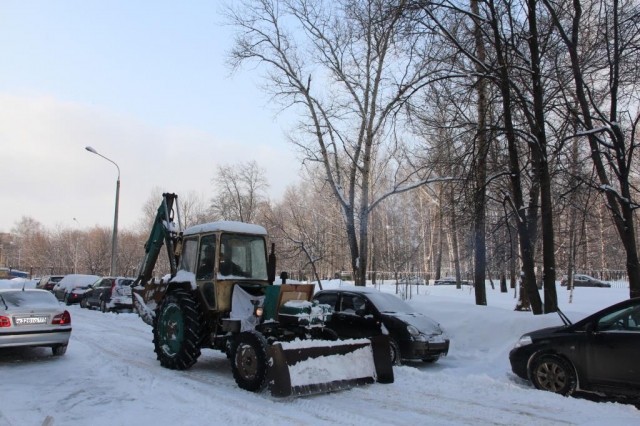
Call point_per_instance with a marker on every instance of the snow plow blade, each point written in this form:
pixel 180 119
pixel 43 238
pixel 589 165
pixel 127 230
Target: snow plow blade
pixel 319 366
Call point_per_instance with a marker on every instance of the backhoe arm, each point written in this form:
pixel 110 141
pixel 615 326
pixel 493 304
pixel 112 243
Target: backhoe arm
pixel 163 232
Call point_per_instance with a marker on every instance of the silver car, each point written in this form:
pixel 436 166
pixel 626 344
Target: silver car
pixel 33 318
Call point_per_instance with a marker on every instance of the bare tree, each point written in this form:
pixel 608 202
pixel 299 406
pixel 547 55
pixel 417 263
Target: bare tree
pixel 240 188
pixel 606 86
pixel 348 68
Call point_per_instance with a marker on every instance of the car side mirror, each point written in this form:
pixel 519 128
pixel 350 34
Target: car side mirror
pixel 590 328
pixel 360 312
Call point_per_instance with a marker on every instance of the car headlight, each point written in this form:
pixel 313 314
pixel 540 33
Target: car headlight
pixel 413 331
pixel 524 341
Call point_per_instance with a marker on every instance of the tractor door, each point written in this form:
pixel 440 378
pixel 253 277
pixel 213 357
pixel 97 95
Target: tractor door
pixel 205 272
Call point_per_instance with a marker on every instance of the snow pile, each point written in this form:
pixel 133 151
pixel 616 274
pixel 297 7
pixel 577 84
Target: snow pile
pixel 326 369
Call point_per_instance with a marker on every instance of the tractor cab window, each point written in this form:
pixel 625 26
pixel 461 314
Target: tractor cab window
pixel 242 256
pixel 189 254
pixel 207 257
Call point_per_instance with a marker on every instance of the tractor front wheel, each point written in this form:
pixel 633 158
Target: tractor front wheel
pixel 249 361
pixel 176 330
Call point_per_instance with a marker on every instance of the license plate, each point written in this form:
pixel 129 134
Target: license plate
pixel 31 320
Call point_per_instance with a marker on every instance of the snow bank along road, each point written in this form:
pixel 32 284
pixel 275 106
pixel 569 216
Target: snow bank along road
pixel 110 376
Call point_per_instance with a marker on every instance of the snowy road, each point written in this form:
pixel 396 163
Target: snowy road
pixel 110 376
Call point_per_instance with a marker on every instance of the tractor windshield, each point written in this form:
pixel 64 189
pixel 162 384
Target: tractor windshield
pixel 242 256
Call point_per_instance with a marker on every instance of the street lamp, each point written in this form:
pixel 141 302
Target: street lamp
pixel 114 242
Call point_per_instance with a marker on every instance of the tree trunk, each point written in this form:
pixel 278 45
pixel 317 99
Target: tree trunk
pixel 454 240
pixel 548 244
pixel 480 247
pixel 514 167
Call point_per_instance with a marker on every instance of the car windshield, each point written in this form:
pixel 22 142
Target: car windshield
pixel 126 282
pixel 389 303
pixel 30 299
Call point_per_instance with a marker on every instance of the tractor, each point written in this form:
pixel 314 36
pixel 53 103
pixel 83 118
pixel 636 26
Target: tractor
pixel 221 295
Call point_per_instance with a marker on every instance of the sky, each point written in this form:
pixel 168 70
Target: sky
pixel 142 82
pixel 110 376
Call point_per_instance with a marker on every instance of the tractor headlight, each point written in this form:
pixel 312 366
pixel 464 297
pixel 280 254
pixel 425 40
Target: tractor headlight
pixel 258 311
pixel 524 341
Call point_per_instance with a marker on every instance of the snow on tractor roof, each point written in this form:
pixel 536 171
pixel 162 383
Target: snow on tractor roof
pixel 226 226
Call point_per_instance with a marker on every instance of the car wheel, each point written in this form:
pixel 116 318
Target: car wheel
pixel 431 359
pixel 66 299
pixel 554 374
pixel 249 361
pixel 395 352
pixel 177 330
pixel 83 304
pixel 59 350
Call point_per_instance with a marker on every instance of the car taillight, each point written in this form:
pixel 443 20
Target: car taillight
pixel 5 322
pixel 63 318
pixel 113 285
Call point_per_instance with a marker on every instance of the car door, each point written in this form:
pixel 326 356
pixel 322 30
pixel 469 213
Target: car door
pixel 354 317
pixel 580 281
pixel 93 296
pixel 613 349
pixel 104 291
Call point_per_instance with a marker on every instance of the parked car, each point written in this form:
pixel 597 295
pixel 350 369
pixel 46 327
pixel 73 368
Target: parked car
pixel 365 312
pixel 71 288
pixel 580 280
pixel 450 281
pixel 49 281
pixel 597 354
pixel 33 318
pixel 411 280
pixel 109 294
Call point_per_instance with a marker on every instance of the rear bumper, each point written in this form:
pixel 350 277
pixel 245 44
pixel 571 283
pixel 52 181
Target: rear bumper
pixel 420 350
pixel 75 298
pixel 120 303
pixel 35 338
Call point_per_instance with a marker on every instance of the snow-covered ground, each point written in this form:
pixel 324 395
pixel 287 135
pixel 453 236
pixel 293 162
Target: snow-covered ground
pixel 110 376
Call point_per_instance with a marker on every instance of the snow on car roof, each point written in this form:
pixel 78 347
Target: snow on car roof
pixel 355 289
pixel 227 226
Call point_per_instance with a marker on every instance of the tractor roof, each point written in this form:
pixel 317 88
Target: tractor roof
pixel 226 226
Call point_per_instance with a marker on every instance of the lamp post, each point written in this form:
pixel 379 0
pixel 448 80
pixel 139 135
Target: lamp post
pixel 114 241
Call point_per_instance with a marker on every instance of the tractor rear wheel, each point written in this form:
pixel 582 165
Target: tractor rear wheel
pixel 249 361
pixel 177 330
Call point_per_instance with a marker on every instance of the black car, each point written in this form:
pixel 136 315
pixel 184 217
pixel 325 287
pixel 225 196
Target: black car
pixel 597 354
pixel 450 281
pixel 49 281
pixel 365 312
pixel 109 294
